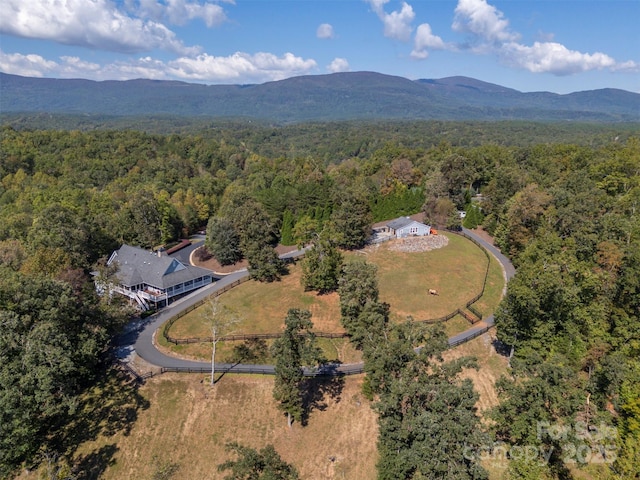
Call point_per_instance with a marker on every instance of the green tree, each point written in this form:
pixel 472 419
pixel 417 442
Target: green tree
pixel 54 334
pixel 473 217
pixel 458 174
pixel 305 230
pixel 141 220
pixel 170 223
pixel 264 263
pixel 440 212
pixel 628 459
pixel 292 351
pixel 321 266
pixel 357 287
pixel 222 241
pixel 427 415
pixel 286 231
pixel 59 227
pixel 253 225
pixel 523 217
pixel 251 464
pixel 351 220
pixel 541 393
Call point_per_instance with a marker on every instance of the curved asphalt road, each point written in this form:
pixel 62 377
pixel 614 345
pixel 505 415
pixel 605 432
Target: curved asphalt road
pixel 508 271
pixel 145 348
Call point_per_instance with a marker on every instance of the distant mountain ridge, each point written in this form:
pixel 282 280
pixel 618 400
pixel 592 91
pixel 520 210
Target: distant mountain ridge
pixel 338 96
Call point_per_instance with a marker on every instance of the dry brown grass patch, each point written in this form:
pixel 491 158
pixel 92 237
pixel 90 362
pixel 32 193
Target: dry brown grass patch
pixel 491 364
pixel 189 422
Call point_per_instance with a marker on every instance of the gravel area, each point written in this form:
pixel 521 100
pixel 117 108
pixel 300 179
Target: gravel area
pixel 418 244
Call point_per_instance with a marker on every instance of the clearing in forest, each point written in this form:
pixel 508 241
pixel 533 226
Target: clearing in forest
pixel 407 269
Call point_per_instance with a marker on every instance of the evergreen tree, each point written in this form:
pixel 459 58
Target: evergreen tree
pixel 295 349
pixel 473 216
pixel 286 232
pixel 321 266
pixel 357 287
pixel 351 220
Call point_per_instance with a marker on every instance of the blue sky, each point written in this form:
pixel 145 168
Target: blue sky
pixel 560 46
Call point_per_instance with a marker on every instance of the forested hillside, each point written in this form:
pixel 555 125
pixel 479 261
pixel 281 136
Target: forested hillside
pixel 333 97
pixel 567 212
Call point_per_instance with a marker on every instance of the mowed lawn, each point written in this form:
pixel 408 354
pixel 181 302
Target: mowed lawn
pixel 456 271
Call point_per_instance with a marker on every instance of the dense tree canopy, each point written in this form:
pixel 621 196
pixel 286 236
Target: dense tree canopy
pixel 562 200
pixel 53 335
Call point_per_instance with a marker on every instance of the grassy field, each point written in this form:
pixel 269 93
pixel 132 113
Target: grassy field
pixel 456 271
pixel 334 349
pixel 493 289
pixel 179 420
pixel 185 422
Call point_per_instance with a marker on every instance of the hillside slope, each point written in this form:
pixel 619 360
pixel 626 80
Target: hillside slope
pixel 339 96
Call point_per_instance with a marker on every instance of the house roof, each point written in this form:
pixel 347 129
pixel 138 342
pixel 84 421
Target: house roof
pixel 400 223
pixel 138 266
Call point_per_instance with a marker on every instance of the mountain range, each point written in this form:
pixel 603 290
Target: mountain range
pixel 338 96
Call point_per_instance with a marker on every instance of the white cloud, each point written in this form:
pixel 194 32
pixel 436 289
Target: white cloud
pixel 551 57
pixel 88 23
pixel 237 68
pixel 73 66
pixel 491 34
pixel 377 5
pixel 338 65
pixel 629 66
pixel 397 24
pixel 240 66
pixel 425 40
pixel 325 31
pixel 25 65
pixel 180 12
pixel 483 21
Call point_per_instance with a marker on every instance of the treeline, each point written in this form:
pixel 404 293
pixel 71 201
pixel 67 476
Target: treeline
pixel 567 213
pixel 572 312
pixel 347 138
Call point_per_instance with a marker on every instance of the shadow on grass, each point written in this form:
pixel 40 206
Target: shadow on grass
pixel 93 465
pixel 223 372
pixel 109 407
pixel 316 390
pixel 501 348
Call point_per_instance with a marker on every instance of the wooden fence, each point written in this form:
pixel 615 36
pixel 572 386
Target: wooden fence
pixel 138 377
pixel 469 304
pixel 470 337
pixel 324 370
pixel 267 336
pixel 177 316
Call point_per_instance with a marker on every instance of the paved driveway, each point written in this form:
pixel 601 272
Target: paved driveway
pixel 142 339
